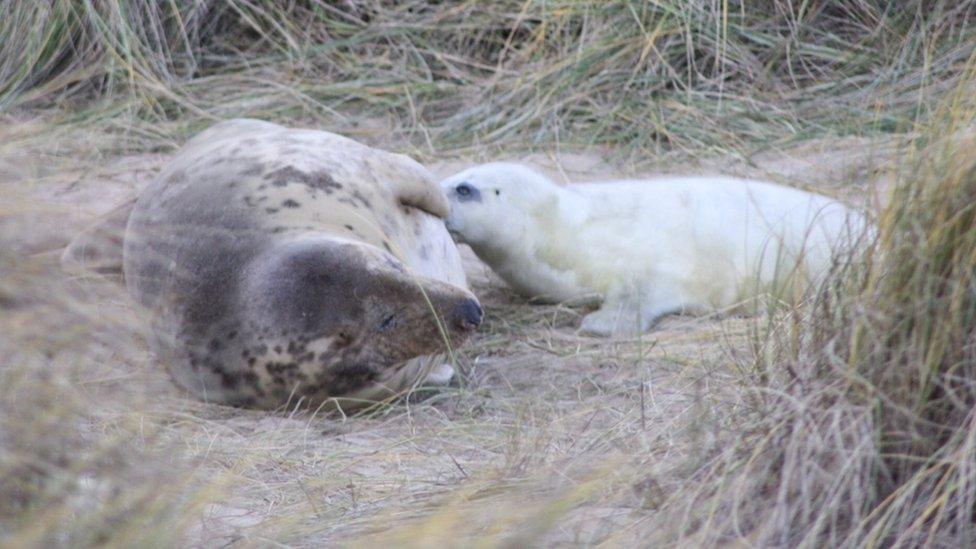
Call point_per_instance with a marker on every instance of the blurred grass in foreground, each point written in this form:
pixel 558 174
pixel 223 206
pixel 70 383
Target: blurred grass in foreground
pixel 851 425
pixel 865 426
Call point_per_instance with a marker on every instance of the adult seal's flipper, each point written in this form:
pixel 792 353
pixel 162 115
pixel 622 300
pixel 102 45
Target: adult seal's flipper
pixel 98 248
pixel 414 186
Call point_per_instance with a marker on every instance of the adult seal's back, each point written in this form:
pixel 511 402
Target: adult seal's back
pixel 284 265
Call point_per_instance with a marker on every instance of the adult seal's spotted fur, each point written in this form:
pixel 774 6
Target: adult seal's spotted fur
pixel 283 265
pixel 648 248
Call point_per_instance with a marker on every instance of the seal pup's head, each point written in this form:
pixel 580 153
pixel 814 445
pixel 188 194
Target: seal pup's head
pixel 493 204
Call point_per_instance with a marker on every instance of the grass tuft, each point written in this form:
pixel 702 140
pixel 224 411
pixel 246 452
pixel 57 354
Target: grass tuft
pixel 864 431
pixel 845 421
pixel 647 76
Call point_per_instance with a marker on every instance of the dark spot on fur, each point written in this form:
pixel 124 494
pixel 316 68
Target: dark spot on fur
pixel 253 169
pixel 215 345
pixel 284 176
pixel 277 349
pixel 228 380
pixel 359 196
pixel 297 347
pixel 290 203
pixel 271 210
pixel 278 368
pixel 322 180
pixel 386 245
pixel 232 334
pixel 349 227
pixel 317 180
pixel 279 229
pixel 348 377
pixel 283 373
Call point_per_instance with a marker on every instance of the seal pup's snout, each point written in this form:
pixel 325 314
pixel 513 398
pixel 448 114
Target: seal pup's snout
pixel 468 315
pixel 450 223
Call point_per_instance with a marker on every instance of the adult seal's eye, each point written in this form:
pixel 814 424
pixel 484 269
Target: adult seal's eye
pixel 388 323
pixel 463 189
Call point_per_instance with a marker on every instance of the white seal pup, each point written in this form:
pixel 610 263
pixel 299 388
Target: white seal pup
pixel 284 265
pixel 646 248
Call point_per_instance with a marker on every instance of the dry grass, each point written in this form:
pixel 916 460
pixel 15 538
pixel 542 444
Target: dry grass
pixel 646 77
pixel 866 433
pixel 847 421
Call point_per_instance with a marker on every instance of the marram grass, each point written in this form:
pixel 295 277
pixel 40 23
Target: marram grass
pixel 866 431
pixel 847 421
pixel 648 76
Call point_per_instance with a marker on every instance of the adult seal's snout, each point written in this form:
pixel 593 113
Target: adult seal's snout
pixel 468 314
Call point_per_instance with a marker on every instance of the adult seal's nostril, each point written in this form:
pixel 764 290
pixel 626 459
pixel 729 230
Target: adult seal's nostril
pixel 468 314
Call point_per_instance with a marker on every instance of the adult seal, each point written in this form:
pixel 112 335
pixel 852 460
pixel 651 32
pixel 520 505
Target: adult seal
pixel 284 266
pixel 644 249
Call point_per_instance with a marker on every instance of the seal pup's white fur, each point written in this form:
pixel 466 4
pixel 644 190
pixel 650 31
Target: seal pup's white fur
pixel 646 248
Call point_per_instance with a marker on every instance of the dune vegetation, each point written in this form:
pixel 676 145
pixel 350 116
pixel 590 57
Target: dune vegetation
pixel 846 420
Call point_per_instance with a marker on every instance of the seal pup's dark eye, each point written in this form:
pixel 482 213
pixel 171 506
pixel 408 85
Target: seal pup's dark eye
pixel 467 192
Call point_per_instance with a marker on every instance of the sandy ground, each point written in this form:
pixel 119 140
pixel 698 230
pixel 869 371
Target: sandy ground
pixel 540 411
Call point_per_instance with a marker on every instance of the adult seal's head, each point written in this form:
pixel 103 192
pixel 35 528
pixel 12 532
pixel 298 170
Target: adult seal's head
pixel 329 317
